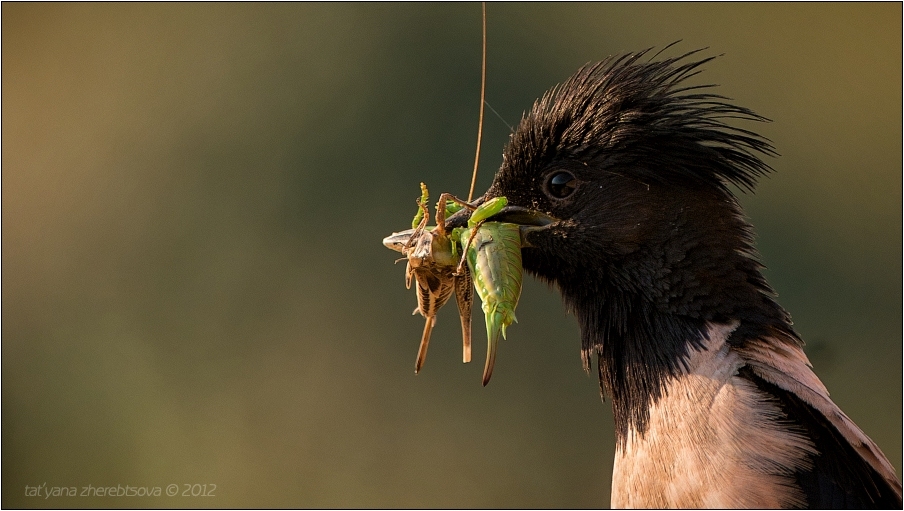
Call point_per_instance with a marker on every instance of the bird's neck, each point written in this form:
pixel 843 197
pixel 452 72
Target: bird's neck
pixel 643 338
pixel 695 450
pixel 639 351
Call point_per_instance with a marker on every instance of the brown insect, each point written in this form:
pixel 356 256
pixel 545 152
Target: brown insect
pixel 434 255
pixel 434 262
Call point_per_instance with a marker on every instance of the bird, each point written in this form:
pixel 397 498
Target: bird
pixel 623 182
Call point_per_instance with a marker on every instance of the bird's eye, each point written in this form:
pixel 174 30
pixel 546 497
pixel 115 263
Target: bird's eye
pixel 561 184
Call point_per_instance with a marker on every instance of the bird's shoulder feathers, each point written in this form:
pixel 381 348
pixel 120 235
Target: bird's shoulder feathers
pixel 849 470
pixel 750 426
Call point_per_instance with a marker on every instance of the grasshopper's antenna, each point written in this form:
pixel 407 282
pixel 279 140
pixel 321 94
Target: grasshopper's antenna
pixel 483 88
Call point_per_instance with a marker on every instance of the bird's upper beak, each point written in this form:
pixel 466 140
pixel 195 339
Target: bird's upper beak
pixel 527 219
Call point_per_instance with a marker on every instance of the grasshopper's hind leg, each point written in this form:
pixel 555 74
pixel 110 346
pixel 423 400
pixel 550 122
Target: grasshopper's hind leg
pixel 425 342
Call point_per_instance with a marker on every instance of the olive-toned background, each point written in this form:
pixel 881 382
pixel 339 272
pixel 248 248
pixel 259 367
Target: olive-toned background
pixel 194 289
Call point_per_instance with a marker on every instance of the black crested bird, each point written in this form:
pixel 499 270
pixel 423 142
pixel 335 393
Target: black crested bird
pixel 620 179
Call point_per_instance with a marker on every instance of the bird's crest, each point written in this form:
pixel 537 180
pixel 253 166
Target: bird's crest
pixel 626 107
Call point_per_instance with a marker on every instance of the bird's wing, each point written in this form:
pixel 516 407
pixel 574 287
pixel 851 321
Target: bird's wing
pixel 850 469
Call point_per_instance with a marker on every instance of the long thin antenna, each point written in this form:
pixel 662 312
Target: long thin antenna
pixel 483 88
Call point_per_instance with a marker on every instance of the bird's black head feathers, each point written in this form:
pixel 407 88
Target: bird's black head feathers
pixel 644 109
pixel 651 245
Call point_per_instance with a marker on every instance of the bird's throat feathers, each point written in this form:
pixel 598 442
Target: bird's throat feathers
pixel 642 338
pixel 638 350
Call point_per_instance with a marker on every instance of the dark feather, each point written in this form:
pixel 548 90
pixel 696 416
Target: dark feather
pixel 625 107
pixel 652 247
pixel 839 478
pixel 651 143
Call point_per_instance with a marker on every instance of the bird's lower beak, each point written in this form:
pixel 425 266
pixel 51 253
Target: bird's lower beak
pixel 523 217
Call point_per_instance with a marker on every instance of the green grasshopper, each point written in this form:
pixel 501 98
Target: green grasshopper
pixel 493 253
pixel 492 257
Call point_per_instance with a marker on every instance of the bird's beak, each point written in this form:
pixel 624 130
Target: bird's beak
pixel 523 217
pixel 527 219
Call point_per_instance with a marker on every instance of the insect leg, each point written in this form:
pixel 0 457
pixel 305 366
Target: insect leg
pixel 425 341
pixel 441 210
pixel 464 249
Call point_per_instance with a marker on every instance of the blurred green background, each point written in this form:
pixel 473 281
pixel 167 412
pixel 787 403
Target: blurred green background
pixel 194 289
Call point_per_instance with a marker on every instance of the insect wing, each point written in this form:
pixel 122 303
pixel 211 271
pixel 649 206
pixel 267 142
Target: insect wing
pixel 433 291
pixel 464 295
pixel 429 260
